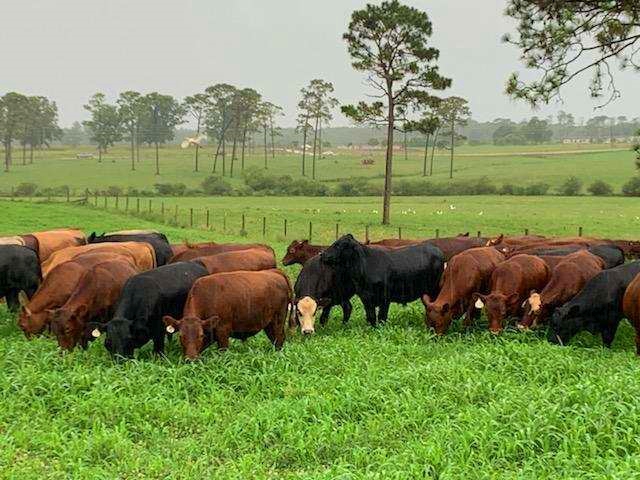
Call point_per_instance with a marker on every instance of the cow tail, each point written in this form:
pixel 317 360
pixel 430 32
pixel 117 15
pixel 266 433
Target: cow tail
pixel 291 305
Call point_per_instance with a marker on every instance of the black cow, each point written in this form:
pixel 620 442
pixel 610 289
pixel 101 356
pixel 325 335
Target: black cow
pixel 318 286
pixel 145 298
pixel 19 270
pixel 613 256
pixel 597 308
pixel 158 241
pixel 384 276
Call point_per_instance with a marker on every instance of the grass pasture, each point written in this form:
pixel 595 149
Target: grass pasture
pixel 521 165
pixel 349 403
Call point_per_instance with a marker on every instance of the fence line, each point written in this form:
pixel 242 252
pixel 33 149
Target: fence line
pixel 221 221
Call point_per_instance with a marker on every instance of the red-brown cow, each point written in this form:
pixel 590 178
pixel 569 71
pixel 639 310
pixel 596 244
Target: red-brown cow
pixel 93 299
pixel 215 248
pixel 511 283
pixel 233 304
pixel 249 260
pixel 54 291
pixel 567 279
pixel 467 273
pixel 299 251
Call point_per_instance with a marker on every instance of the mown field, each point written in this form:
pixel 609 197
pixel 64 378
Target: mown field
pixel 521 165
pixel 348 403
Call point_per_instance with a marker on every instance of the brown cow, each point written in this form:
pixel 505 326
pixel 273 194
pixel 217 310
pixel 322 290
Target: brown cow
pixel 93 299
pixel 233 304
pixel 51 241
pixel 631 307
pixel 511 283
pixel 141 254
pixel 514 241
pixel 249 260
pixel 567 279
pixel 467 273
pixel 299 251
pixel 54 291
pixel 215 248
pixel 449 246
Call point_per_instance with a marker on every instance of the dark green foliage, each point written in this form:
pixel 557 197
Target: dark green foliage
pixel 632 187
pixel 214 185
pixel 171 189
pixel 600 188
pixel 571 187
pixel 25 189
pixel 534 189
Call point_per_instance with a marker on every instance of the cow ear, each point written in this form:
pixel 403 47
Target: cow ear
pixel 91 237
pixel 478 300
pixel 23 299
pixel 466 234
pixel 304 242
pixel 209 323
pixel 171 324
pixel 426 300
pixel 349 236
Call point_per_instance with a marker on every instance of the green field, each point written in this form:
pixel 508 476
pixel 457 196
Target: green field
pixel 348 403
pixel 520 165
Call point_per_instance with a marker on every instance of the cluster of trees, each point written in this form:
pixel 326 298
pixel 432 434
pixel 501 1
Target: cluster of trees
pixel 223 112
pixel 32 121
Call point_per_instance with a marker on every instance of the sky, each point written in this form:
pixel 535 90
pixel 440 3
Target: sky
pixel 69 49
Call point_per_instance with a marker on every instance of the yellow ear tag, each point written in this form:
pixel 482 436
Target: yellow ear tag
pixel 170 328
pixel 95 333
pixel 479 304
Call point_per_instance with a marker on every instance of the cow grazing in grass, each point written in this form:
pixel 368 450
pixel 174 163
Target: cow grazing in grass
pixel 19 272
pixel 145 299
pixel 467 273
pixel 567 279
pixel 631 304
pixel 215 248
pixel 250 260
pixel 511 282
pixel 319 287
pixel 299 251
pixel 233 305
pixel 382 277
pixel 92 300
pixel 157 240
pixel 598 308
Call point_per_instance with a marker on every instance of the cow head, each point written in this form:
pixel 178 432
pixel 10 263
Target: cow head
pixel 534 310
pixel 293 252
pixel 566 321
pixel 31 323
pixel 492 242
pixel 195 333
pixel 344 252
pixel 437 316
pixel 68 326
pixel 497 306
pixel 119 339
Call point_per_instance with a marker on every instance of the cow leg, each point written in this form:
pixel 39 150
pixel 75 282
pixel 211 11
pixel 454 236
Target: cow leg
pixel 608 334
pixel 370 311
pixel 158 343
pixel 325 316
pixel 471 314
pixel 346 311
pixel 275 332
pixel 383 312
pixel 222 337
pixel 12 301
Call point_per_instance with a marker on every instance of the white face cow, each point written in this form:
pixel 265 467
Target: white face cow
pixel 307 308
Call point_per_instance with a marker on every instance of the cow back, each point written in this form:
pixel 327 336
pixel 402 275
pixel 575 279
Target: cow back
pixel 204 251
pixel 52 241
pixel 250 260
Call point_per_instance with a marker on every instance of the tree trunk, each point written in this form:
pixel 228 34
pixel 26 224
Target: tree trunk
pixel 157 160
pixel 265 147
pixel 244 141
pixel 433 151
pixel 24 153
pixel 453 142
pixel 426 155
pixel 197 146
pixel 315 142
pixel 405 145
pixel 386 200
pixel 31 154
pixel 320 141
pixel 233 154
pixel 137 143
pixel 7 155
pixel 133 150
pixel 273 143
pixel 224 156
pixel 99 154
pixel 304 146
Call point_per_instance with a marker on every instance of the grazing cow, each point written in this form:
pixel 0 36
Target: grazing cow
pixel 28 241
pixel 505 244
pixel 249 260
pixel 631 248
pixel 141 254
pixel 466 273
pixel 19 271
pixel 394 243
pixel 55 290
pixel 511 282
pixel 51 241
pixel 92 300
pixel 449 246
pixel 317 286
pixel 215 248
pixel 145 298
pixel 631 305
pixel 567 279
pixel 598 308
pixel 233 304
pixel 299 251
pixel 611 254
pixel 157 240
pixel 381 276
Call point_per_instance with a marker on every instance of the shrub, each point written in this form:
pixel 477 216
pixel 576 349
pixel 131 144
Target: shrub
pixel 214 185
pixel 632 187
pixel 113 190
pixel 600 188
pixel 25 189
pixel 351 188
pixel 571 187
pixel 170 189
pixel 535 189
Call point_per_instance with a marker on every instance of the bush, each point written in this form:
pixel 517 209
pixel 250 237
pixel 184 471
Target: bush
pixel 600 188
pixel 25 189
pixel 571 187
pixel 632 187
pixel 535 189
pixel 214 185
pixel 351 188
pixel 170 189
pixel 113 190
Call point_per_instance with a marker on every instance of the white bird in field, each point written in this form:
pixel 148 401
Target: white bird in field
pixel 481 213
pixel 452 207
pixel 439 212
pixel 195 141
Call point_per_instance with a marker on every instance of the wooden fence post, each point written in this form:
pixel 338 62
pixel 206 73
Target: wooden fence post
pixel 117 201
pixel 67 194
pixel 191 217
pixel 400 233
pixel 579 231
pixel 149 206
pixel 137 205
pixel 479 233
pixel 337 230
pixel 105 201
pixel 96 199
pixel 162 210
pixel 264 226
pixel 526 231
pixel 437 233
pixel 310 230
pixel 243 223
pixel 224 223
pixel 366 233
pixel 207 218
pixel 126 203
pixel 285 228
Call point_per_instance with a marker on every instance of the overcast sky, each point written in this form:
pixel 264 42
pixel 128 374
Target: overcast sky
pixel 70 49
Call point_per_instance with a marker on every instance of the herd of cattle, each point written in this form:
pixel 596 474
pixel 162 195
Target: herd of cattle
pixel 134 287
